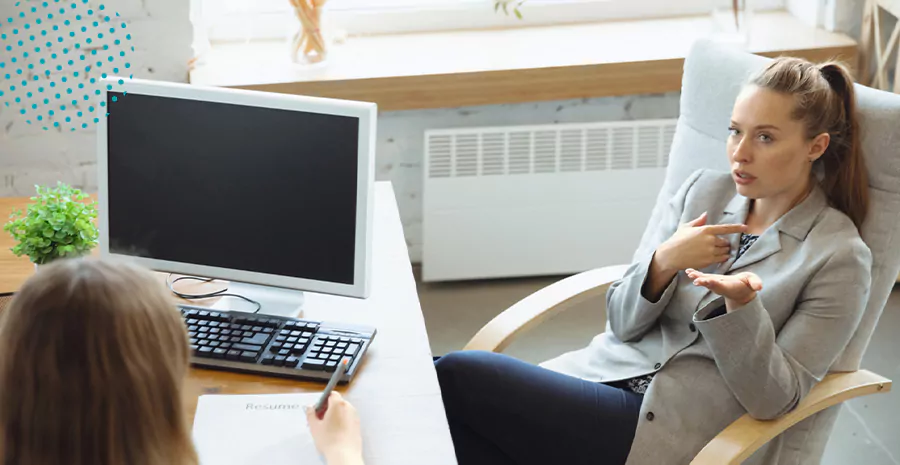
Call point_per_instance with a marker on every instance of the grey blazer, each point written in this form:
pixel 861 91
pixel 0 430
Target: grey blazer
pixel 760 359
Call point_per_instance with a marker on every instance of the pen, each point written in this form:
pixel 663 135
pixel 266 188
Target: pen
pixel 323 401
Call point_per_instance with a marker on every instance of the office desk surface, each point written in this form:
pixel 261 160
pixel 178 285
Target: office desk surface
pixel 396 392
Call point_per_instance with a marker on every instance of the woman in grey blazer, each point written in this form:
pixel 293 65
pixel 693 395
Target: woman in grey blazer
pixel 738 303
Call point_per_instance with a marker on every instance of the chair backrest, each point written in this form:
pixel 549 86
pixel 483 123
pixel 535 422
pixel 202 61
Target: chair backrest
pixel 713 76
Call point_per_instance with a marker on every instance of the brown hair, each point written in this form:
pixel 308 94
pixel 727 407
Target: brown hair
pixel 826 102
pixel 93 358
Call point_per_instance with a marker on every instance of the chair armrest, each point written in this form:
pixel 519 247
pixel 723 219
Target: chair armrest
pixel 742 438
pixel 543 304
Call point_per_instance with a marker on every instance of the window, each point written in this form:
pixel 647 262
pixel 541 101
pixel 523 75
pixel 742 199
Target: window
pixel 241 20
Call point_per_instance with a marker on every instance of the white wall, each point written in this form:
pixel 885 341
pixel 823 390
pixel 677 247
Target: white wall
pixel 161 33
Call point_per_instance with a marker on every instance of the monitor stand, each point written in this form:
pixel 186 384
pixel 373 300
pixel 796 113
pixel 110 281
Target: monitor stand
pixel 273 300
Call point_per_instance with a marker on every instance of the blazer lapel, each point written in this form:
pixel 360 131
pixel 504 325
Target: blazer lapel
pixel 735 213
pixel 795 223
pixel 767 244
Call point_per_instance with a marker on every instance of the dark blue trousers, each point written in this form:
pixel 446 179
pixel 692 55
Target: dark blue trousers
pixel 503 411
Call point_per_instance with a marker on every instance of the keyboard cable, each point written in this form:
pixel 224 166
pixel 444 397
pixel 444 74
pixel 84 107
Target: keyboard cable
pixel 220 293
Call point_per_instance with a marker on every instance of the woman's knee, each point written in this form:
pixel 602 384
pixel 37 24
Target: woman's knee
pixel 463 370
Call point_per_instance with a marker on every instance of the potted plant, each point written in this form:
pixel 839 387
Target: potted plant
pixel 57 224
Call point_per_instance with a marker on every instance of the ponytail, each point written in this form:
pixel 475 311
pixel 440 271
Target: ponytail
pixel 845 179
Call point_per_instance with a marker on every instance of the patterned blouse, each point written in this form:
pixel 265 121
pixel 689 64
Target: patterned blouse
pixel 640 384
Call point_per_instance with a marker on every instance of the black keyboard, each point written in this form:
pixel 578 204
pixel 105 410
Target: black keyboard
pixel 273 346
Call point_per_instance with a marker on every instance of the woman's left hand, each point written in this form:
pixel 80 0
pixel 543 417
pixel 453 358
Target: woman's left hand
pixel 738 289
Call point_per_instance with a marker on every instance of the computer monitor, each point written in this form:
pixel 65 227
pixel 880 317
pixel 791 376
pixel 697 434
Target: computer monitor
pixel 271 192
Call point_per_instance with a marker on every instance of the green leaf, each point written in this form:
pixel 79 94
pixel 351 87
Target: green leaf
pixel 496 6
pixel 518 13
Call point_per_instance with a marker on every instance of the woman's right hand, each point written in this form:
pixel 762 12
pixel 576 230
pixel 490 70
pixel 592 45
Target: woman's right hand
pixel 337 435
pixel 696 245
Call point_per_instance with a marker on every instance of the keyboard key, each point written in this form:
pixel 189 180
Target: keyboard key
pixel 219 353
pixel 335 357
pixel 303 340
pixel 192 312
pixel 214 344
pixel 204 351
pixel 246 327
pixel 213 324
pixel 312 355
pixel 234 327
pixel 194 341
pixel 202 323
pixel 280 339
pixel 204 313
pixel 225 345
pixel 330 344
pixel 204 329
pixel 291 362
pixel 311 326
pixel 193 328
pixel 256 329
pixel 299 347
pixel 194 347
pixel 345 339
pixel 313 364
pixel 268 331
pixel 192 321
pixel 355 340
pixel 250 347
pixel 215 331
pixel 328 350
pixel 352 350
pixel 284 352
pixel 342 345
pixel 276 346
pixel 202 342
pixel 259 339
pixel 233 354
pixel 279 360
pixel 248 356
pixel 292 340
pixel 268 359
pixel 285 332
pixel 235 339
pixel 331 365
pixel 295 333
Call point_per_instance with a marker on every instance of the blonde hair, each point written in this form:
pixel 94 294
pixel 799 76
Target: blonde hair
pixel 826 103
pixel 93 358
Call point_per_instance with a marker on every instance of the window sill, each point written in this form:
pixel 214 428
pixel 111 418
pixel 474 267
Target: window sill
pixel 461 68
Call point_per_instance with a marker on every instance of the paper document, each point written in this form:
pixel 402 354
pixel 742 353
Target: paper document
pixel 268 429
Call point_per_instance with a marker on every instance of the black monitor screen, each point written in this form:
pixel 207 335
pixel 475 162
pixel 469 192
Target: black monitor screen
pixel 233 186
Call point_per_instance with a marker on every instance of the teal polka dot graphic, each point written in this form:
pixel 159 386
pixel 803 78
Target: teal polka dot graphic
pixel 38 37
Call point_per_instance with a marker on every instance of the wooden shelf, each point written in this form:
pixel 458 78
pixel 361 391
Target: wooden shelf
pixel 460 68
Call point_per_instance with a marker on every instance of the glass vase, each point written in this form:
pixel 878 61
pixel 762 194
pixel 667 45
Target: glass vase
pixel 309 41
pixel 732 21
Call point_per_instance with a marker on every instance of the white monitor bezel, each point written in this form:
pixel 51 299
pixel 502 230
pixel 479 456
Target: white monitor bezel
pixel 367 114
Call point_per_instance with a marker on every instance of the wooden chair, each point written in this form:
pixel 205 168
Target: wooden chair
pixel 712 79
pixel 873 51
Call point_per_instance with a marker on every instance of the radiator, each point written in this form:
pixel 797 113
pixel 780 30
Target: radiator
pixel 557 199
